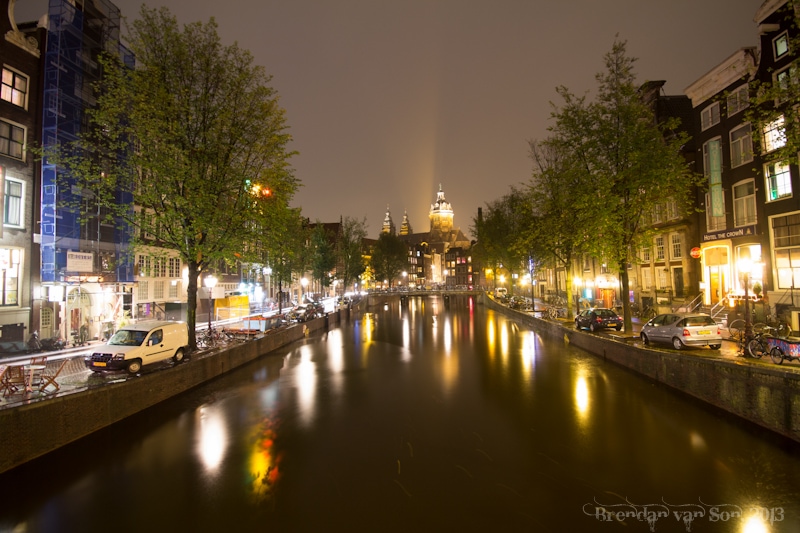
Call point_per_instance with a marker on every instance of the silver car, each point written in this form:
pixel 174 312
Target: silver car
pixel 682 330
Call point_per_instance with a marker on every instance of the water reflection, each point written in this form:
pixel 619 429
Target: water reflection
pixel 212 438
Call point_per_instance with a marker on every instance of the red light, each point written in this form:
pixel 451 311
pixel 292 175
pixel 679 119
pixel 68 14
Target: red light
pixel 686 333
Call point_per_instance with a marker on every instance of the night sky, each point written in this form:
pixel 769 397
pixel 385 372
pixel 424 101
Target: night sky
pixel 386 99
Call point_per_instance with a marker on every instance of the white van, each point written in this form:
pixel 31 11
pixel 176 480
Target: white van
pixel 140 344
pixel 500 292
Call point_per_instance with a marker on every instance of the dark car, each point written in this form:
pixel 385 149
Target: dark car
pixel 303 313
pixel 682 330
pixel 596 318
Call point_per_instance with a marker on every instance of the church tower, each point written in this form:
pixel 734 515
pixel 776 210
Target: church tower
pixel 441 216
pixel 405 227
pixel 388 224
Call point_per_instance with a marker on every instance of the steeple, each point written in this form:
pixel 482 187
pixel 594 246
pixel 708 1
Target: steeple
pixel 441 216
pixel 405 227
pixel 388 225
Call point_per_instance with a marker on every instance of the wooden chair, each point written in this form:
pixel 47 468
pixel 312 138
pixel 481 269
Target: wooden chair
pixel 3 369
pixel 50 374
pixel 35 370
pixel 13 380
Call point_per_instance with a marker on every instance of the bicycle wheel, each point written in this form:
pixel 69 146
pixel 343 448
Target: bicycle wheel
pixel 757 348
pixel 776 355
pixel 759 328
pixel 784 329
pixel 736 329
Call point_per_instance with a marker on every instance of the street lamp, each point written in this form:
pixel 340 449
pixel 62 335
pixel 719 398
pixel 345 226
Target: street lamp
pixel 745 267
pixel 304 284
pixel 577 282
pixel 210 282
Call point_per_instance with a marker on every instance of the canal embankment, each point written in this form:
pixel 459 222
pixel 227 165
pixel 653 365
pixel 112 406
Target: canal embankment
pixel 33 429
pixel 768 396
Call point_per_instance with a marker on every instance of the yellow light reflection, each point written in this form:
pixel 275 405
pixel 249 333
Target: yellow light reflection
pixel 582 397
pixel 755 524
pixel 213 438
pixel 528 353
pixel 306 383
pixel 448 336
pixel 504 341
pixel 335 349
pixel 263 462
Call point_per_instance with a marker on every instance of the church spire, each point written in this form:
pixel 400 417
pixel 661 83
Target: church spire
pixel 388 224
pixel 405 227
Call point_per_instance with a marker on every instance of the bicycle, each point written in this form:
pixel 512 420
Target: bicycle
pixel 758 345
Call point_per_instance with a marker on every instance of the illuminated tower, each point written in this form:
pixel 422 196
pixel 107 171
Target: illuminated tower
pixel 388 224
pixel 441 216
pixel 405 227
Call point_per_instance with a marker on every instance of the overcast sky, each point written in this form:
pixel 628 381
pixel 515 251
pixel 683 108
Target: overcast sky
pixel 386 99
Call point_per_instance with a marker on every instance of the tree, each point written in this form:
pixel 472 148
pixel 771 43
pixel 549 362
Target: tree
pixel 189 132
pixel 389 257
pixel 633 163
pixel 350 249
pixel 564 204
pixel 501 232
pixel 323 258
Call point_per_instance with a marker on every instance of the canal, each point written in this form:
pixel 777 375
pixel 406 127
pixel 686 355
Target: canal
pixel 425 415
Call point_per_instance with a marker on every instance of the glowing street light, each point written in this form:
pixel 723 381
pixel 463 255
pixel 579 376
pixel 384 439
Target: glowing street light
pixel 210 282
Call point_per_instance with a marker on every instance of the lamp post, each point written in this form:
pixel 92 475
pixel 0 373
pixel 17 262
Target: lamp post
pixel 577 282
pixel 745 267
pixel 210 282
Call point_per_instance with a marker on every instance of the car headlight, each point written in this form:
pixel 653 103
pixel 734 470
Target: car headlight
pixel 118 356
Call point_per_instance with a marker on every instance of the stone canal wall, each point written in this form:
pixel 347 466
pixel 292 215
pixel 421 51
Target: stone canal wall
pixel 32 430
pixel 768 396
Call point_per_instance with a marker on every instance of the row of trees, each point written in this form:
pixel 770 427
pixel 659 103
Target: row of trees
pixel 605 166
pixel 196 136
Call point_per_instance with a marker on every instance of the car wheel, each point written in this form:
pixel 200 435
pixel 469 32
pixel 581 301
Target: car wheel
pixel 715 346
pixel 592 327
pixel 677 343
pixel 618 328
pixel 178 357
pixel 577 325
pixel 645 340
pixel 134 366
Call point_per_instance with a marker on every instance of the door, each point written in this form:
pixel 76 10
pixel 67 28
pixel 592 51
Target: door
pixel 155 349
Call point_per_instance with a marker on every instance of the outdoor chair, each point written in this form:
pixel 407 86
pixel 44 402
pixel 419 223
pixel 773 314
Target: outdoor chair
pixel 35 370
pixel 50 374
pixel 13 380
pixel 3 369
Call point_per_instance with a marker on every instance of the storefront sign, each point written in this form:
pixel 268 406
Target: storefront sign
pixel 745 231
pixel 695 252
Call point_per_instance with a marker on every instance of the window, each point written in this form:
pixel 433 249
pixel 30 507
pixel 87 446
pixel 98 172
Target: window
pixel 647 280
pixel 174 288
pixel 12 203
pixel 741 146
pixel 142 291
pixel 9 275
pixel 660 249
pixel 158 290
pixel 773 135
pixel 780 45
pixel 715 223
pixel 786 246
pixel 12 138
pixel 785 81
pixel 738 100
pixel 174 267
pixel 710 116
pixel 15 88
pixel 677 245
pixel 779 181
pixel 662 281
pixel 644 254
pixel 744 203
pixel 144 265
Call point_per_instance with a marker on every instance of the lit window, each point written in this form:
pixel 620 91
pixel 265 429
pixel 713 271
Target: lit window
pixel 15 88
pixel 647 280
pixel 741 146
pixel 744 204
pixel 779 181
pixel 12 204
pixel 780 45
pixel 786 246
pixel 738 100
pixel 142 291
pixel 774 135
pixel 710 116
pixel 9 275
pixel 11 139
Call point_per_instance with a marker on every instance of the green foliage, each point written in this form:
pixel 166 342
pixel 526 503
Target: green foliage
pixel 323 257
pixel 350 252
pixel 189 131
pixel 389 258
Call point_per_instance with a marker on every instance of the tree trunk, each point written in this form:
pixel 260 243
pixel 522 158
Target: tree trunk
pixel 191 303
pixel 626 304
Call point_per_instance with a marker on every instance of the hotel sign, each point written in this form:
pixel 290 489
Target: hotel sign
pixel 745 231
pixel 80 262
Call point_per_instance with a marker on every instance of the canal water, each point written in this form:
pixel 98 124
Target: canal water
pixel 425 415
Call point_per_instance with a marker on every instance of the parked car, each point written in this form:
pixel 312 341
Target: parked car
pixel 682 330
pixel 596 318
pixel 140 344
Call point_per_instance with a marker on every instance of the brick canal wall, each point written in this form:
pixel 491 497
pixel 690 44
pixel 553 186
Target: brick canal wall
pixel 768 396
pixel 32 430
